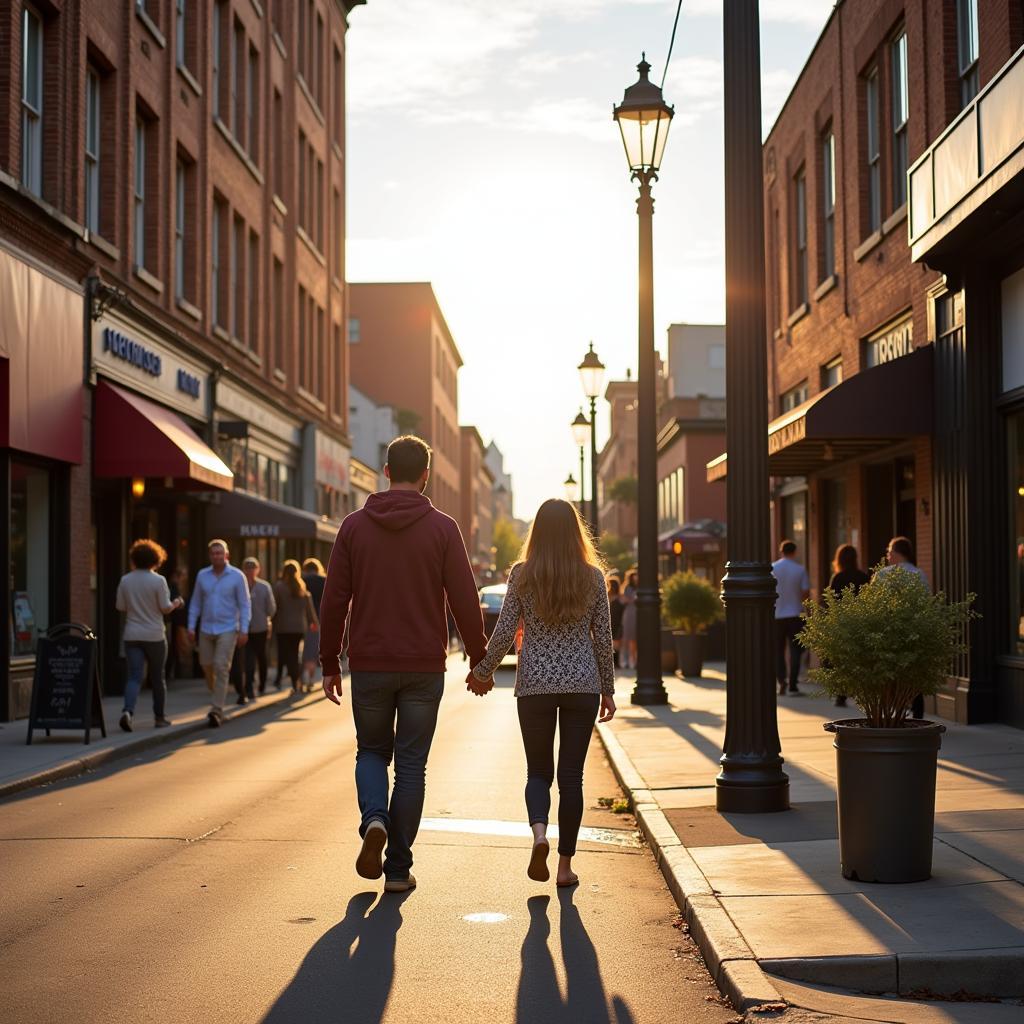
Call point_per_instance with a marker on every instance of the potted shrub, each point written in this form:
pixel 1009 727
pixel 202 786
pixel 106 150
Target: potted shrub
pixel 690 604
pixel 881 647
pixel 669 660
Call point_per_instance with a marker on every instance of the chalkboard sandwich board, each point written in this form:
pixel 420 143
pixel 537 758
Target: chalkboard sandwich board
pixel 66 685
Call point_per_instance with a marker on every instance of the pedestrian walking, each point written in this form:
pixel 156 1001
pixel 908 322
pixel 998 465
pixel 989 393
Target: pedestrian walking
pixel 295 615
pixel 565 674
pixel 144 597
pixel 627 643
pixel 617 608
pixel 313 576
pixel 395 562
pixel 792 589
pixel 261 595
pixel 179 650
pixel 221 609
pixel 900 554
pixel 846 573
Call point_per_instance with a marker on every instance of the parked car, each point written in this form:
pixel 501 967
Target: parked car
pixel 491 600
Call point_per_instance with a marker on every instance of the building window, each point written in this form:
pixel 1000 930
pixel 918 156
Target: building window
pixel 238 310
pixel 800 234
pixel 1015 449
pixel 253 269
pixel 139 192
pixel 303 340
pixel 900 113
pixel 873 153
pixel 180 33
pixel 318 205
pixel 239 64
pixel 32 101
pixel 832 373
pixel 318 61
pixel 279 318
pixel 793 397
pixel 339 236
pixel 217 57
pixel 320 384
pixel 340 390
pixel 967 49
pixel 219 292
pixel 828 205
pixel 716 357
pixel 179 230
pixel 31 545
pixel 92 150
pixel 301 191
pixel 278 154
pixel 252 96
pixel 338 99
pixel 353 330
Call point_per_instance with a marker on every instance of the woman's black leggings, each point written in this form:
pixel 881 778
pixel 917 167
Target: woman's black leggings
pixel 575 714
pixel 288 656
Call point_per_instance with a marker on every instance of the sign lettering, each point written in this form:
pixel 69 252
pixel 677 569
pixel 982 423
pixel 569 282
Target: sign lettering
pixel 188 383
pixel 890 344
pixel 259 530
pixel 122 347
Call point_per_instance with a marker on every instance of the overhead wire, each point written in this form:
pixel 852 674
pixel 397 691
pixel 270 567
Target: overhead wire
pixel 671 43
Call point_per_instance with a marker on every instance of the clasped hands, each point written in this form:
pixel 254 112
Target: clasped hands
pixel 475 685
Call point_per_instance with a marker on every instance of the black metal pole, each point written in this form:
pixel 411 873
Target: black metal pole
pixel 751 777
pixel 583 503
pixel 595 528
pixel 649 687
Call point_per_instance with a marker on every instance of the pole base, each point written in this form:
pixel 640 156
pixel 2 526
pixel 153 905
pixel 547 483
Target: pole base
pixel 649 692
pixel 761 798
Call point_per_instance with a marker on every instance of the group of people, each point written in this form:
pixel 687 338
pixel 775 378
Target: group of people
pixel 622 602
pixel 794 588
pixel 229 619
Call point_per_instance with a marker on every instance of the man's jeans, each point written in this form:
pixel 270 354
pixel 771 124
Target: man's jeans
pixel 377 698
pixel 215 653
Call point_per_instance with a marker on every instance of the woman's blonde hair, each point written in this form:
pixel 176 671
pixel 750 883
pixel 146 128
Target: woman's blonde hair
pixel 314 565
pixel 291 573
pixel 557 567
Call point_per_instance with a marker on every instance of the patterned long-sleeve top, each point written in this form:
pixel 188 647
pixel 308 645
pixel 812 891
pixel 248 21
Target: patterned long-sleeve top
pixel 574 657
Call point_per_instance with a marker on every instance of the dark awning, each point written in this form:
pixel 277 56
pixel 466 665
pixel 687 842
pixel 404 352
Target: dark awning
pixel 704 537
pixel 249 517
pixel 136 437
pixel 870 410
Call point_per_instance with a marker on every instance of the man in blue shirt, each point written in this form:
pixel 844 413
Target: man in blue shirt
pixel 220 603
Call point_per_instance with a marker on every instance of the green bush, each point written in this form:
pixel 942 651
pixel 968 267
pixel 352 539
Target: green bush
pixel 690 603
pixel 885 644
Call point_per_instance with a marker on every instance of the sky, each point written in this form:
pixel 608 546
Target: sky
pixel 482 157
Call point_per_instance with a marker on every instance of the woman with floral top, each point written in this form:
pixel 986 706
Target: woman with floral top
pixel 564 676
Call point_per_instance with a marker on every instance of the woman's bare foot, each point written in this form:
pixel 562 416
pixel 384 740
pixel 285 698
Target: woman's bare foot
pixel 538 869
pixel 566 876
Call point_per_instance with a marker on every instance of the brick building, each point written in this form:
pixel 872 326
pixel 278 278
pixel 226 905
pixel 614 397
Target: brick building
pixel 617 460
pixel 476 498
pixel 176 169
pixel 402 354
pixel 869 371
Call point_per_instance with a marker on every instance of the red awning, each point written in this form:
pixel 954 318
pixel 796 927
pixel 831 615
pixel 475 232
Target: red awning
pixel 136 437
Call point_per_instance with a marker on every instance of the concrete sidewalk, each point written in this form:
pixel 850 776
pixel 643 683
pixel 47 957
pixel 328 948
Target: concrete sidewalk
pixel 764 893
pixel 64 753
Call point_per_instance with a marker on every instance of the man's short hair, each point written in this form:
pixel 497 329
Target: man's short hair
pixel 408 459
pixel 250 563
pixel 788 547
pixel 902 546
pixel 216 540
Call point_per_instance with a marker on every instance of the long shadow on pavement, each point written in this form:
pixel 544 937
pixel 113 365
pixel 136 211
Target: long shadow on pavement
pixel 336 985
pixel 538 998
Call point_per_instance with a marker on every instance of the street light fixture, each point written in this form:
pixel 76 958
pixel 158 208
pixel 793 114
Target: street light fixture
pixel 751 778
pixel 644 117
pixel 572 491
pixel 581 434
pixel 592 379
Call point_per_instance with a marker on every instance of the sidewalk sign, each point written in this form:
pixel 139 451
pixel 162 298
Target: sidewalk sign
pixel 66 684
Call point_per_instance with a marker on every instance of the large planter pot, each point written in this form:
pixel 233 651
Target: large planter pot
pixel 689 652
pixel 886 795
pixel 668 651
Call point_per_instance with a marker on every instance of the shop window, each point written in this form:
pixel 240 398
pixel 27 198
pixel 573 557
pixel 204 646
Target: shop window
pixel 1015 449
pixel 794 522
pixel 967 49
pixel 1012 303
pixel 900 115
pixel 32 101
pixel 31 545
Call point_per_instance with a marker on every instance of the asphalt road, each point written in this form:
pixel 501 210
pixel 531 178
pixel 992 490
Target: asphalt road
pixel 214 881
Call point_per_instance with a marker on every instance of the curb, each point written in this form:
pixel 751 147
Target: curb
pixel 92 761
pixel 731 962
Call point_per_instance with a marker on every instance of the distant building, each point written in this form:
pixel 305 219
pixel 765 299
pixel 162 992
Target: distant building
pixel 372 428
pixel 364 481
pixel 402 354
pixel 502 491
pixel 476 510
pixel 696 361
pixel 617 460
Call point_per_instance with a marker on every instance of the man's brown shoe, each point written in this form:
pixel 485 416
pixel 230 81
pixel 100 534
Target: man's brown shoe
pixel 369 863
pixel 400 884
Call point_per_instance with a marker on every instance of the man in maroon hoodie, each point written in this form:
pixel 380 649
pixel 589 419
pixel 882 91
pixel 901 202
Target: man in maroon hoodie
pixel 394 564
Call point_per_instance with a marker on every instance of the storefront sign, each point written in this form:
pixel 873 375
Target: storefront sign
pixel 129 355
pixel 332 458
pixel 890 343
pixel 787 434
pixel 259 530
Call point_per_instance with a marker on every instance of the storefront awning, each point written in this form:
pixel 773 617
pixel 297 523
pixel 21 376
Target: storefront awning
pixel 705 537
pixel 870 410
pixel 252 518
pixel 137 437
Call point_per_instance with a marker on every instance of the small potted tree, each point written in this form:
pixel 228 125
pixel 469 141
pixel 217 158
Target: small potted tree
pixel 881 647
pixel 690 604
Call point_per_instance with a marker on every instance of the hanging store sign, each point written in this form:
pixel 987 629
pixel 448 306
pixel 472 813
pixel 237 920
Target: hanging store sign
pixel 890 343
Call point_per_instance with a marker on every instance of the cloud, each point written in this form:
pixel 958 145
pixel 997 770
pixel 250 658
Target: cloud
pixel 798 12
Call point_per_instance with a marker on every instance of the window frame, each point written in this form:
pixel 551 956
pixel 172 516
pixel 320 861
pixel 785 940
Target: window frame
pixel 93 147
pixel 793 397
pixel 180 204
pixel 900 109
pixel 835 363
pixel 800 263
pixel 139 195
pixel 873 149
pixel 828 203
pixel 32 112
pixel 968 71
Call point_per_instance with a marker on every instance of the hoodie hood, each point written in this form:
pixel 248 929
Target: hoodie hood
pixel 396 510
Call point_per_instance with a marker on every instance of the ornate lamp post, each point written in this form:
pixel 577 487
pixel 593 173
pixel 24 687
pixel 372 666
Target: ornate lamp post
pixel 643 117
pixel 572 492
pixel 580 434
pixel 592 379
pixel 751 777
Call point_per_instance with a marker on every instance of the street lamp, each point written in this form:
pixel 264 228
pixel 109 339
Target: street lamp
pixel 643 117
pixel 580 434
pixel 572 491
pixel 751 778
pixel 592 379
